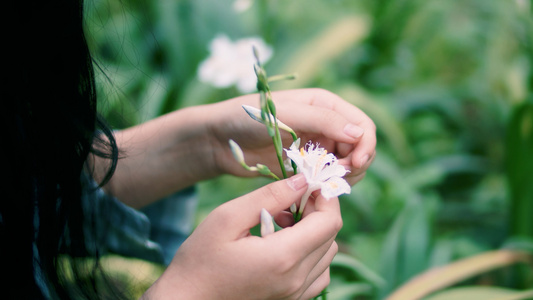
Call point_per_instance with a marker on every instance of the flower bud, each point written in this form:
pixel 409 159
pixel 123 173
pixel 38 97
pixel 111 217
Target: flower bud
pixel 237 152
pixel 255 113
pixel 267 224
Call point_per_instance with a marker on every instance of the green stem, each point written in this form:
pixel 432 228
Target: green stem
pixel 297 217
pixel 279 148
pixel 281 77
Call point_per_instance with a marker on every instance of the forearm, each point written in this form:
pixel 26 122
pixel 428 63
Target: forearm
pixel 160 157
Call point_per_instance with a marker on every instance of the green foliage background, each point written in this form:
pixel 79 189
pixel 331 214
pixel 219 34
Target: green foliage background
pixel 448 84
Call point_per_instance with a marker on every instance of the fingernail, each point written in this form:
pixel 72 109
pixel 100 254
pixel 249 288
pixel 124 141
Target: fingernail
pixel 353 130
pixel 297 182
pixel 364 160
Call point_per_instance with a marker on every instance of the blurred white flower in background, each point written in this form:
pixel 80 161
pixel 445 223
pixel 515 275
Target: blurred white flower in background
pixel 242 5
pixel 232 63
pixel 523 4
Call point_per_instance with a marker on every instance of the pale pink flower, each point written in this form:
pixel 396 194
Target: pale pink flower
pixel 321 170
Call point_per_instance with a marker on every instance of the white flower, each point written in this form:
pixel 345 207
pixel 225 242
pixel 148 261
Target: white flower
pixel 288 162
pixel 232 63
pixel 267 225
pixel 321 170
pixel 242 5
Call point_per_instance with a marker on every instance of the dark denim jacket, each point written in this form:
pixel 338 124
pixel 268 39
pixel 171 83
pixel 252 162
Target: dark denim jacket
pixel 153 233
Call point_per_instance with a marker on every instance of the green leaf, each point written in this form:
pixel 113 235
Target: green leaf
pixel 348 291
pixel 346 261
pixel 519 153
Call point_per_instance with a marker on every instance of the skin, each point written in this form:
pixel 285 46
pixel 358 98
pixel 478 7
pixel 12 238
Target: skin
pixel 220 260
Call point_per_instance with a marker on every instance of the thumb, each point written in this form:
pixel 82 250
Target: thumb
pixel 243 213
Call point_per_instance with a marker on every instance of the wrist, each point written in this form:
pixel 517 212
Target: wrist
pixel 161 156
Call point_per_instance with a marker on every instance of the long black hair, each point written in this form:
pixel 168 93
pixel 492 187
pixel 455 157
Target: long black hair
pixel 50 121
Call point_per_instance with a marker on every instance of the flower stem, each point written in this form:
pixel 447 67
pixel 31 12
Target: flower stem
pixel 298 215
pixel 279 149
pixel 268 108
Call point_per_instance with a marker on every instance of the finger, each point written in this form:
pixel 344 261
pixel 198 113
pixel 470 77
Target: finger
pixel 235 218
pixel 325 99
pixel 349 113
pixel 352 180
pixel 314 230
pixel 317 286
pixel 320 121
pixel 284 219
pixel 318 278
pixel 323 261
pixel 348 161
pixel 344 150
pixel 365 148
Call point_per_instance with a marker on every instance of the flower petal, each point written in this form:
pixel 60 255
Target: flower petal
pixel 321 169
pixel 335 187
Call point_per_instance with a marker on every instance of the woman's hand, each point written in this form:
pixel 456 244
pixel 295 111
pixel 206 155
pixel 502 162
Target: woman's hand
pixel 221 260
pixel 315 114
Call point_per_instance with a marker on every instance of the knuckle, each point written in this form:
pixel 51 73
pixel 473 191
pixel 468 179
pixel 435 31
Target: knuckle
pixel 318 94
pixel 293 288
pixel 332 116
pixel 286 264
pixel 371 125
pixel 292 281
pixel 223 214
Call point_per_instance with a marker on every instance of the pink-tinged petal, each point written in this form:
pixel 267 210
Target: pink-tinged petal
pixel 335 187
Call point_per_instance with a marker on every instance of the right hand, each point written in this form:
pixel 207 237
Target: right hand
pixel 221 260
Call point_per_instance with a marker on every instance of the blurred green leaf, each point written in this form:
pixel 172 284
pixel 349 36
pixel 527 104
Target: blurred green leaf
pixel 519 151
pixel 348 291
pixel 366 274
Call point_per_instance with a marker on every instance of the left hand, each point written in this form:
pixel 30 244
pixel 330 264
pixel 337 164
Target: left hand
pixel 314 114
